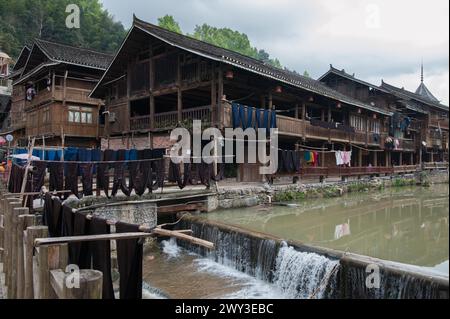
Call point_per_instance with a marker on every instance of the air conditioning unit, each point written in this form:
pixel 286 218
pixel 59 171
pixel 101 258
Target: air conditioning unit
pixel 112 117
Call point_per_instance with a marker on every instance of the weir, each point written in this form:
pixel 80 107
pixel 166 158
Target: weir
pixel 306 272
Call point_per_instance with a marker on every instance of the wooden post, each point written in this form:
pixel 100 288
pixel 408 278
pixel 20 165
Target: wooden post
pixel 296 111
pixel 179 92
pixel 270 100
pixel 360 157
pixel 375 159
pixel 9 243
pixel 400 161
pixel 214 110
pixel 220 93
pixel 91 283
pixel 31 234
pixel 24 221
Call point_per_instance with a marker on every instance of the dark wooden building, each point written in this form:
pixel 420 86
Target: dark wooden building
pixel 50 99
pixel 159 79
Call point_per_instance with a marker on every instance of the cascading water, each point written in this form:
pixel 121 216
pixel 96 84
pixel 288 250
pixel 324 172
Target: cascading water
pixel 300 274
pixel 296 274
pixel 303 275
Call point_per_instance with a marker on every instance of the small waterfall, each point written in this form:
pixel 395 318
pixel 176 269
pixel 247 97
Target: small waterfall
pixel 392 286
pixel 248 254
pixel 300 274
pixel 296 274
pixel 303 275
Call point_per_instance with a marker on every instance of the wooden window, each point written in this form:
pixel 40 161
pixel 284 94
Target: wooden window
pixel 358 122
pixel 375 126
pixel 46 116
pixel 82 115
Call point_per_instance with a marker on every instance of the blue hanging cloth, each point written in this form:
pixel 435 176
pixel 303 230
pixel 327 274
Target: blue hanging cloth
pixel 235 115
pixel 266 120
pixel 242 111
pixel 258 123
pixel 250 111
pixel 273 120
pixel 133 155
pixel 84 155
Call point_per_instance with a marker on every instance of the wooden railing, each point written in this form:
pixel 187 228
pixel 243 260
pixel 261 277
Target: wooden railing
pixel 296 127
pixel 202 113
pixel 439 122
pixel 436 165
pixel 407 144
pixel 344 171
pixel 406 169
pixel 140 122
pixel 170 120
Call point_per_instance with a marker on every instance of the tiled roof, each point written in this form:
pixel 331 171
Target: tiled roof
pixel 423 91
pixel 351 77
pixel 64 53
pixel 22 59
pixel 408 95
pixel 222 55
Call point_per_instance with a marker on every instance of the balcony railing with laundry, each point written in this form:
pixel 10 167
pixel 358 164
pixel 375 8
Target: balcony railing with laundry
pixel 314 129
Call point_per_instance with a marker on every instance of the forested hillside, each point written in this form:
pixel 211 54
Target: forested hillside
pixel 23 20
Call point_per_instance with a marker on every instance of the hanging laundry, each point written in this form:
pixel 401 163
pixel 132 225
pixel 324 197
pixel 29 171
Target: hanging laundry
pixel 273 119
pixel 129 258
pixel 339 160
pixel 250 112
pixel 38 175
pixel 87 172
pixel 71 178
pixel 297 161
pixel 119 175
pixel 236 116
pixel 103 171
pixel 80 251
pixel 52 215
pixel 67 224
pixel 101 254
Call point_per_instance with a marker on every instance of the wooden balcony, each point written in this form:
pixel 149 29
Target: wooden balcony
pixel 289 126
pixel 438 122
pixel 406 169
pixel 169 120
pixel 407 145
pixel 71 95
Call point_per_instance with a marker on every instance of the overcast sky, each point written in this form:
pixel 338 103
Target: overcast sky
pixel 375 39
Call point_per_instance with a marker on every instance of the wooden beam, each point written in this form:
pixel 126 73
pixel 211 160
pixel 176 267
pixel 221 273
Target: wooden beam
pixel 78 239
pixel 181 236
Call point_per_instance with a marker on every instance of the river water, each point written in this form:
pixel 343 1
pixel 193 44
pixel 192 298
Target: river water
pixel 407 225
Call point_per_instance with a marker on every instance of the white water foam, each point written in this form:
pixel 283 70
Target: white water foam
pixel 302 275
pixel 170 248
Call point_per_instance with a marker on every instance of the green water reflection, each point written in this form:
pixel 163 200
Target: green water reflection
pixel 407 225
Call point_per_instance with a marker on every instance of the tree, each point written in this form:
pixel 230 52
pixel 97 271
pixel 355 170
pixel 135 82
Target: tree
pixel 306 74
pixel 232 40
pixel 21 21
pixel 168 22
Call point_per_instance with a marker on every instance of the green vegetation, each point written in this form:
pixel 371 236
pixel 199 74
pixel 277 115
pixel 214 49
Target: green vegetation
pixel 401 182
pixel 222 37
pixel 289 196
pixel 21 21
